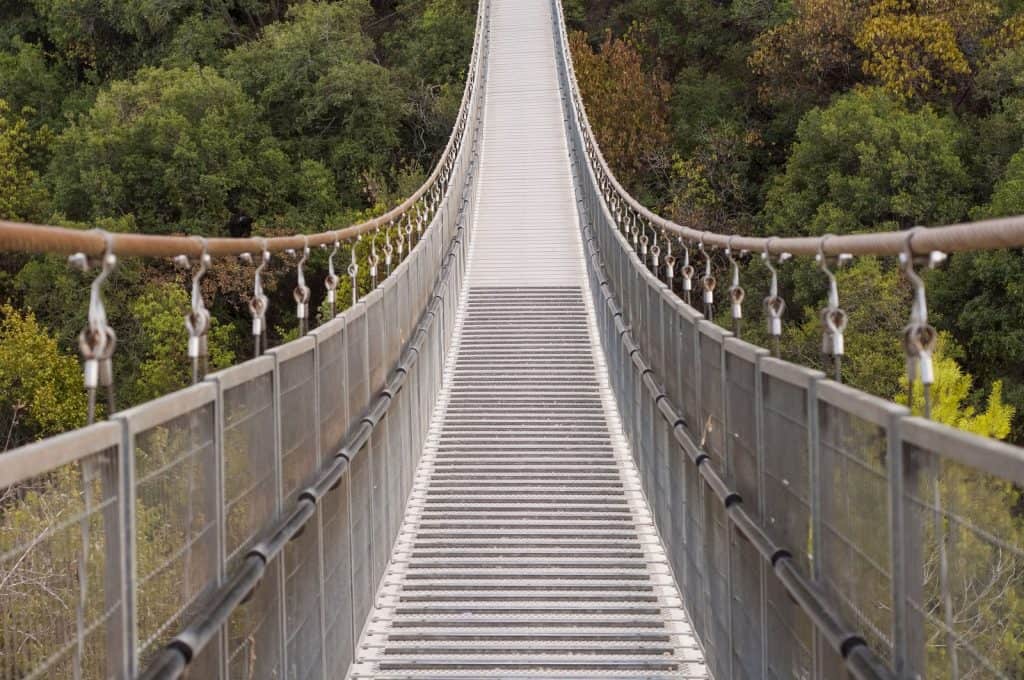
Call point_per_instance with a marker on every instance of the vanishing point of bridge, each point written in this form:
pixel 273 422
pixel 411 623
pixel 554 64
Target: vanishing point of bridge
pixel 522 454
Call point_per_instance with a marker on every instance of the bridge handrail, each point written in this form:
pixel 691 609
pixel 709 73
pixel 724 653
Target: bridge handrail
pixel 36 238
pixel 993 234
pixel 809 525
pixel 318 412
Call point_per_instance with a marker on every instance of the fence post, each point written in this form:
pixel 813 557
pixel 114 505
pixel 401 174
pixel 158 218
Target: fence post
pixel 818 474
pixel 907 566
pixel 119 646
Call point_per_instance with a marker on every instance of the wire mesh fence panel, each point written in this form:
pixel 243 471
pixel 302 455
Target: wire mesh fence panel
pixel 376 340
pixel 391 329
pixel 786 477
pixel 695 585
pixel 356 354
pixel 746 571
pixel 303 602
pixel 361 522
pixel 855 560
pixel 249 451
pixel 378 451
pixel 712 398
pixel 968 589
pixel 718 643
pixel 417 426
pixel 397 436
pixel 789 638
pixel 680 468
pixel 661 499
pixel 652 333
pixel 339 627
pixel 300 456
pixel 255 634
pixel 687 366
pixel 404 310
pixel 645 452
pixel 332 371
pixel 176 509
pixel 742 403
pixel 61 600
pixel 670 375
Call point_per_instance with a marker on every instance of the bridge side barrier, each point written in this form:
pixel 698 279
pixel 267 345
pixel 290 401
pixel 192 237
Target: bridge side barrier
pixel 239 527
pixel 815 531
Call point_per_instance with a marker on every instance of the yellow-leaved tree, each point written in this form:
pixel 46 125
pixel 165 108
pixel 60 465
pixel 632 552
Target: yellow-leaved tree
pixel 920 48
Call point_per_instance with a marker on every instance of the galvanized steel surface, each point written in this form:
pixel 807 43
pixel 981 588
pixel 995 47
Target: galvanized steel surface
pixel 123 545
pixel 527 549
pixel 795 527
pixel 816 531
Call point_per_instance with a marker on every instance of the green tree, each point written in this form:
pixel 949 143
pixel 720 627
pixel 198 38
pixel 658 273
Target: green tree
pixel 866 162
pixel 869 293
pixel 176 148
pixel 22 194
pixel 111 38
pixel 29 80
pixel 315 80
pixel 979 299
pixel 41 391
pixel 951 396
pixel 165 366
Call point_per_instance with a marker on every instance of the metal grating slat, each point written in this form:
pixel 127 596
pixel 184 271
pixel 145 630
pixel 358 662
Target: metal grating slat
pixel 527 547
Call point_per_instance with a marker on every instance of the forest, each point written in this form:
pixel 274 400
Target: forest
pixel 211 117
pixel 759 117
pixel 813 117
pixel 754 117
pixel 807 117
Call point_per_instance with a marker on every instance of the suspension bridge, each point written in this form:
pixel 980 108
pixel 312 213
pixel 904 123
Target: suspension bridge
pixel 524 453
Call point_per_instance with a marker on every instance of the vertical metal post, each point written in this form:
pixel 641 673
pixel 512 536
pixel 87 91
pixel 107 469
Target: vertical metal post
pixel 282 609
pixel 319 516
pixel 817 475
pixel 907 559
pixel 127 538
pixel 220 519
pixel 723 363
pixel 762 506
pixel 115 583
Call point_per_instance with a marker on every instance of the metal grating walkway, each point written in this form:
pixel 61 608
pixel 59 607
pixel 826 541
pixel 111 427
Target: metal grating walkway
pixel 527 548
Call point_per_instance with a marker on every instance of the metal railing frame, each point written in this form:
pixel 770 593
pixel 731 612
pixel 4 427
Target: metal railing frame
pixel 403 330
pixel 683 433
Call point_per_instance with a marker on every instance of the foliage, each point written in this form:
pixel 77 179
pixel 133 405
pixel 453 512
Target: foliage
pixel 917 47
pixel 867 162
pixel 28 80
pixel 112 38
pixel 171 147
pixel 811 54
pixel 22 194
pixel 40 387
pixel 869 294
pixel 713 186
pixel 627 107
pixel 950 398
pixel 164 365
pixel 315 81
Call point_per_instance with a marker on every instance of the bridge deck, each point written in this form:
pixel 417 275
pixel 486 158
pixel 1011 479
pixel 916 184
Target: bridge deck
pixel 527 548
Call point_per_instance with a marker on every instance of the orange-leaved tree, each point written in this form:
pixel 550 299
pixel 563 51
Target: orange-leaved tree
pixel 626 104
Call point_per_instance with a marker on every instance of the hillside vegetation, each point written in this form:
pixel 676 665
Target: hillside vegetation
pixel 807 117
pixel 214 117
